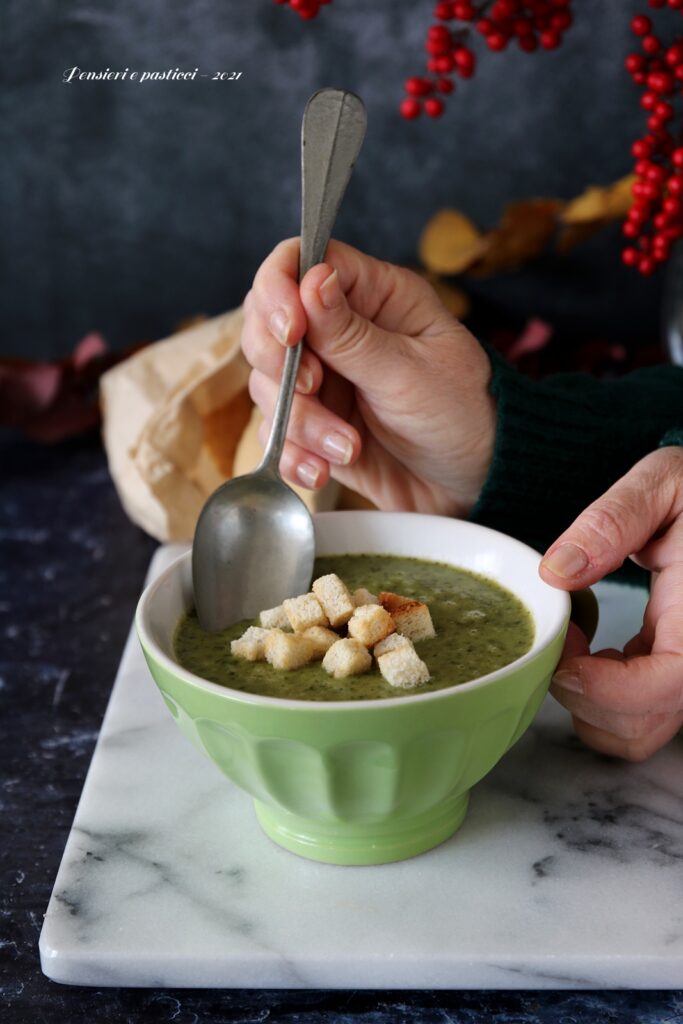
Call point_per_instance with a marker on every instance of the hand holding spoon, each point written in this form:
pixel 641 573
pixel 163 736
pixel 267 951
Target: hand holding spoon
pixel 254 543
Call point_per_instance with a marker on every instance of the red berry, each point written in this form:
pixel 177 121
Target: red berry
pixel 676 5
pixel 664 111
pixel 418 86
pixel 675 186
pixel 648 101
pixel 630 257
pixel 465 61
pixel 641 25
pixel 496 41
pixel 677 157
pixel 463 10
pixel 444 85
pixel 646 265
pixel 410 109
pixel 674 55
pixel 561 21
pixel 672 206
pixel 641 149
pixel 434 107
pixel 635 62
pixel 657 3
pixel 549 40
pixel 484 26
pixel 630 229
pixel 443 64
pixel 444 11
pixel 651 45
pixel 661 82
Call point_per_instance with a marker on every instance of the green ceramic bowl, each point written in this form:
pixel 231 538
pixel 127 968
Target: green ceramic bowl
pixel 371 781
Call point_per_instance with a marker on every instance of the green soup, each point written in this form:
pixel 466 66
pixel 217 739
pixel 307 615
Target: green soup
pixel 480 626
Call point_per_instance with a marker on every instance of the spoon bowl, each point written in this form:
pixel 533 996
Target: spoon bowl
pixel 254 546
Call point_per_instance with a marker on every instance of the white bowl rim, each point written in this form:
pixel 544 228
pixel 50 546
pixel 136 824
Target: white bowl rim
pixel 313 706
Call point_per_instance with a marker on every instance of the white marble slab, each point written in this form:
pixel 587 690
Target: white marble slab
pixel 566 874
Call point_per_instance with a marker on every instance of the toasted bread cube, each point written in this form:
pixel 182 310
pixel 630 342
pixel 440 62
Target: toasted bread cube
pixel 335 599
pixel 250 646
pixel 390 643
pixel 403 667
pixel 370 623
pixel 347 657
pixel 363 596
pixel 322 639
pixel 288 650
pixel 304 611
pixel 411 618
pixel 274 618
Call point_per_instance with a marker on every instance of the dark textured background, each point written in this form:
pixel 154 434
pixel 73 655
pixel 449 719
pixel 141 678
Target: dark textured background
pixel 126 207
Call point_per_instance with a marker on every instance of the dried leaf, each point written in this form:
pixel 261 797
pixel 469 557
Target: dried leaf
pixel 523 233
pixel 454 299
pixel 601 204
pixel 572 234
pixel 450 243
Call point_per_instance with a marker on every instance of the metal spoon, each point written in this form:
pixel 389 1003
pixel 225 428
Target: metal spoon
pixel 254 543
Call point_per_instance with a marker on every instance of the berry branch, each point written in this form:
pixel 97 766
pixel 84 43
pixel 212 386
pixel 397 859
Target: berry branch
pixel 655 219
pixel 532 23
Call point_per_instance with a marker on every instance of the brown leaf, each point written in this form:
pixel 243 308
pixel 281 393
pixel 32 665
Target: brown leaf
pixel 524 231
pixel 450 243
pixel 601 204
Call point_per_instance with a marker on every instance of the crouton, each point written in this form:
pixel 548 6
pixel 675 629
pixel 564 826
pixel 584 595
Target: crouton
pixel 347 657
pixel 274 618
pixel 250 646
pixel 321 638
pixel 370 623
pixel 403 668
pixel 335 599
pixel 288 650
pixel 363 596
pixel 304 611
pixel 411 618
pixel 390 643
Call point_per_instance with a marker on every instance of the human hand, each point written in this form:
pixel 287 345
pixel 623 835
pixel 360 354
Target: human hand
pixel 627 703
pixel 392 392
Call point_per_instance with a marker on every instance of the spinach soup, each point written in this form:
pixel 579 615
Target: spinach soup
pixel 480 626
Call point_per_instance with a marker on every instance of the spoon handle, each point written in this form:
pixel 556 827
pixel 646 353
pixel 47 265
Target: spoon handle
pixel 332 133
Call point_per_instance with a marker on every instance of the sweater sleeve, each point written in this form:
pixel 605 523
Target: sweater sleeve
pixel 561 442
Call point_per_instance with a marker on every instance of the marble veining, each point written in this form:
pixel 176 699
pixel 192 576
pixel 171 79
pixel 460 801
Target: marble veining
pixel 565 874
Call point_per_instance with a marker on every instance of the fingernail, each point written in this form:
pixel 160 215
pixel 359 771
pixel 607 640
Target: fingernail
pixel 568 681
pixel 566 561
pixel 330 292
pixel 339 448
pixel 308 474
pixel 305 379
pixel 280 325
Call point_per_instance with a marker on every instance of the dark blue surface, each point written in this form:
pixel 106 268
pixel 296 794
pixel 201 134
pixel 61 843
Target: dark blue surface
pixel 71 568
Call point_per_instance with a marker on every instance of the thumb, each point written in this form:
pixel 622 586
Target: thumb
pixel 617 525
pixel 346 341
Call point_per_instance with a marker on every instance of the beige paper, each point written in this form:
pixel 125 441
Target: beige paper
pixel 178 421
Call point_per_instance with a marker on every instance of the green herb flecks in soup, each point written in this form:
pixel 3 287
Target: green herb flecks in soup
pixel 480 626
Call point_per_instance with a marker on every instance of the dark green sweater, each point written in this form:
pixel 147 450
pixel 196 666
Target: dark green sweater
pixel 561 442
